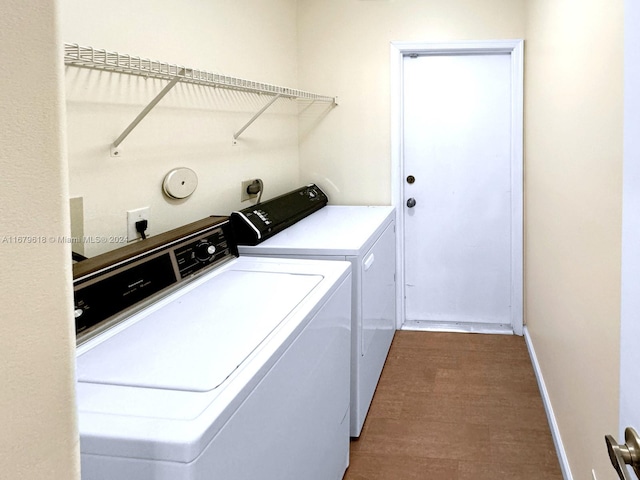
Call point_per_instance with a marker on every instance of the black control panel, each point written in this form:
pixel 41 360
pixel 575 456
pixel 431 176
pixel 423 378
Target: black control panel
pixel 255 224
pixel 112 285
pixel 95 302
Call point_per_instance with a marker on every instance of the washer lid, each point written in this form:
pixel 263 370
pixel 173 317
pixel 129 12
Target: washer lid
pixel 195 342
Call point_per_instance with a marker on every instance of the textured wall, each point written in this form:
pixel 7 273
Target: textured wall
pixel 573 186
pixel 38 438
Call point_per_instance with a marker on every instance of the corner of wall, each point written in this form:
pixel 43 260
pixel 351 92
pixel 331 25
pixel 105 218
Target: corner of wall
pixel 37 342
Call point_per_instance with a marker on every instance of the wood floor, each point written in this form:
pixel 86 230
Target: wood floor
pixel 455 406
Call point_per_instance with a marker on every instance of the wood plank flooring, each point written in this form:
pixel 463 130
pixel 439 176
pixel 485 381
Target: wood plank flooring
pixel 452 406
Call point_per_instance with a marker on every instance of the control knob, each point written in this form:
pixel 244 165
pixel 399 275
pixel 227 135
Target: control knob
pixel 204 251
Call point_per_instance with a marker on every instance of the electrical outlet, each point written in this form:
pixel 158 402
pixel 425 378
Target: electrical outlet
pixel 243 190
pixel 132 217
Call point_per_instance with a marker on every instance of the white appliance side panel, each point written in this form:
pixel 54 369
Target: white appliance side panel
pixel 357 419
pixel 378 311
pixel 294 425
pixel 378 271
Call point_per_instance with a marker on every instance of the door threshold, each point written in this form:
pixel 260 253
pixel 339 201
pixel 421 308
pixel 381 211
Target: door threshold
pixel 457 327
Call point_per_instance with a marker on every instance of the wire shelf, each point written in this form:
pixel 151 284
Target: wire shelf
pixel 97 59
pixel 89 57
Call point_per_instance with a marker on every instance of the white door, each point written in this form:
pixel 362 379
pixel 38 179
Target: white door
pixel 630 298
pixel 457 182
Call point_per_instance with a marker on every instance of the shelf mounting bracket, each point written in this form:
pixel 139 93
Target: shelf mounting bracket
pixel 254 118
pixel 115 150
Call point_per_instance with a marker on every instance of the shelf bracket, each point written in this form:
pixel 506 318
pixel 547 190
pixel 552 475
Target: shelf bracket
pixel 115 150
pixel 255 117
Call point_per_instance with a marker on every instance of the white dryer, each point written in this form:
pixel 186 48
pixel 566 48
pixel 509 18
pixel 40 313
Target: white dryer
pixel 241 372
pixel 362 235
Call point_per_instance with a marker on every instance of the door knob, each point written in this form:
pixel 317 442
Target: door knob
pixel 411 202
pixel 627 454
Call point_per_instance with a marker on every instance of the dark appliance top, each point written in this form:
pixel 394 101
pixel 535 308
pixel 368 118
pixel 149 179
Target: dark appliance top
pixel 255 224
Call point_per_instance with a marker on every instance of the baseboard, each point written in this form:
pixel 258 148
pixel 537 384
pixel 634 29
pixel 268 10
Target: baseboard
pixel 457 327
pixel 555 431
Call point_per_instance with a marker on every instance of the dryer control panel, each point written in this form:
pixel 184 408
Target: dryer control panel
pixel 255 224
pixel 112 286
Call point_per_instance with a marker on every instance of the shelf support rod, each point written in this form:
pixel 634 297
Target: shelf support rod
pixel 114 146
pixel 255 117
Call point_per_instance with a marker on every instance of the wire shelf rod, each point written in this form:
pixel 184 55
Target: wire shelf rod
pixel 89 57
pixel 99 59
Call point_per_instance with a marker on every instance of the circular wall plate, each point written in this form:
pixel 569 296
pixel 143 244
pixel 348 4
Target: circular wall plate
pixel 180 183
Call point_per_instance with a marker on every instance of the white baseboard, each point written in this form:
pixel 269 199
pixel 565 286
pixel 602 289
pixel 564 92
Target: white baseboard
pixel 457 327
pixel 555 431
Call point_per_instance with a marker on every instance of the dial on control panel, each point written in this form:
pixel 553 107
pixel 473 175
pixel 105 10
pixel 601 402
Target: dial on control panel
pixel 204 251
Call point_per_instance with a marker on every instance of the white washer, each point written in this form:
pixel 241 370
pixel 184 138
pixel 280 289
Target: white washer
pixel 240 374
pixel 365 236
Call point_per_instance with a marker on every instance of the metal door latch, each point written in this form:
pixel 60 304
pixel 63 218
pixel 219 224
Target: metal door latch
pixel 627 454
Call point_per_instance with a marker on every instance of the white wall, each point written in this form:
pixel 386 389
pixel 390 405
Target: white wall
pixel 192 126
pixel 38 432
pixel 343 50
pixel 573 182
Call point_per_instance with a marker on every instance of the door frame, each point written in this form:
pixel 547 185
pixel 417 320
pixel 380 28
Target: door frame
pixel 514 48
pixel 629 391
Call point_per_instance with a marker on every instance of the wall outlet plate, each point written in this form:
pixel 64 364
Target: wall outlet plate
pixel 132 217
